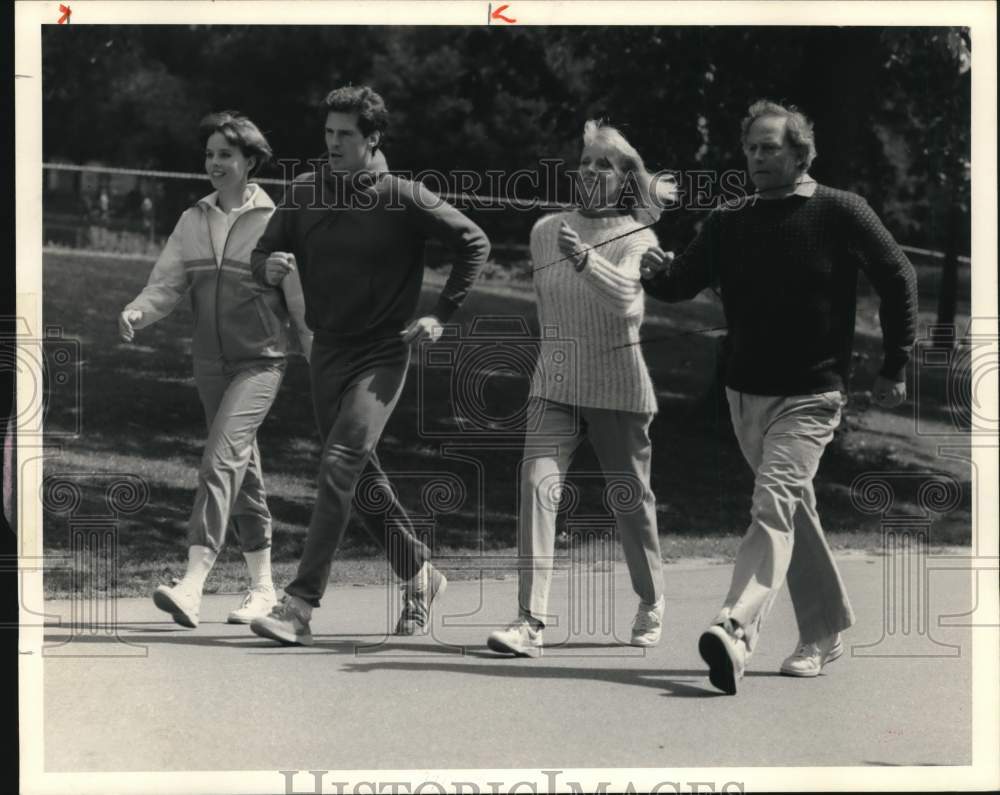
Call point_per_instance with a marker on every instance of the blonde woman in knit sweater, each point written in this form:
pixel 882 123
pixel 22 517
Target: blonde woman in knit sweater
pixel 591 382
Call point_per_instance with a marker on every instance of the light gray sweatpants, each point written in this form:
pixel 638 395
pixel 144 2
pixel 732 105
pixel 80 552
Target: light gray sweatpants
pixel 230 494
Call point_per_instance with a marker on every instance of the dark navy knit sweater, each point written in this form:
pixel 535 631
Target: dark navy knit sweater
pixel 360 253
pixel 788 272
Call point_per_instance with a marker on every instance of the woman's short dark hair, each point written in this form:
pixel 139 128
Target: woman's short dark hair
pixel 373 116
pixel 240 132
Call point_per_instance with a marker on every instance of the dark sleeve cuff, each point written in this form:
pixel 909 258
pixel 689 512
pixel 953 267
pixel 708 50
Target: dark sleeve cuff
pixel 444 309
pixel 657 286
pixel 894 368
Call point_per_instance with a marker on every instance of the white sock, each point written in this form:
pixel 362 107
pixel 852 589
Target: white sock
pixel 200 562
pixel 418 582
pixel 533 622
pixel 259 566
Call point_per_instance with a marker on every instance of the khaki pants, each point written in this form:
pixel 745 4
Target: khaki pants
pixel 783 439
pixel 621 441
pixel 230 493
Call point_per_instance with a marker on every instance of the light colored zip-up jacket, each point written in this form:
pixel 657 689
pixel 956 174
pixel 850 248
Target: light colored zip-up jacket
pixel 236 319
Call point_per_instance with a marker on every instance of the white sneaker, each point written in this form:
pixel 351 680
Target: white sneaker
pixel 808 659
pixel 648 623
pixel 518 638
pixel 418 593
pixel 722 646
pixel 182 601
pixel 287 623
pixel 257 603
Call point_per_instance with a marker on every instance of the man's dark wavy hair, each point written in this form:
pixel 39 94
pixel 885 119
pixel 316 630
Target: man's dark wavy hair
pixel 373 116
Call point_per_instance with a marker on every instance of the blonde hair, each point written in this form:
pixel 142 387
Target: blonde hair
pixel 640 202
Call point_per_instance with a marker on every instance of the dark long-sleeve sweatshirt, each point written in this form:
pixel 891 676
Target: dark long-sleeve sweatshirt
pixel 788 272
pixel 360 252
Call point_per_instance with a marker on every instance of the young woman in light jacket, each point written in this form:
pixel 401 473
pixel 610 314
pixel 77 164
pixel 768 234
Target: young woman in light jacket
pixel 591 382
pixel 241 338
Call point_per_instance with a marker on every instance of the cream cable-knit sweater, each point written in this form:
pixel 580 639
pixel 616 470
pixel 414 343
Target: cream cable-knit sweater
pixel 586 317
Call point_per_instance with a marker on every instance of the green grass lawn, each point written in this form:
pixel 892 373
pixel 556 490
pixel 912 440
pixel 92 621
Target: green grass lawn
pixel 140 415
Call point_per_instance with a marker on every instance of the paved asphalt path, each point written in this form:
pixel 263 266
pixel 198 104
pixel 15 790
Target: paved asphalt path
pixel 221 698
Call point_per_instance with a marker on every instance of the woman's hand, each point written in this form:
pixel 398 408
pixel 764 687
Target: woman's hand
pixel 571 245
pixel 126 321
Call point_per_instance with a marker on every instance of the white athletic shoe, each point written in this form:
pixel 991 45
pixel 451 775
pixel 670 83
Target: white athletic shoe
pixel 418 593
pixel 723 648
pixel 648 623
pixel 182 601
pixel 518 638
pixel 808 659
pixel 257 603
pixel 287 623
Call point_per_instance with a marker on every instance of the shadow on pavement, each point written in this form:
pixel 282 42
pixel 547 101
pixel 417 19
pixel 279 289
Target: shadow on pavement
pixel 660 679
pixel 167 633
pixel 467 660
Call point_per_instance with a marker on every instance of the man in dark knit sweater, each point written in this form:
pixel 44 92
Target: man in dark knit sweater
pixel 787 263
pixel 356 235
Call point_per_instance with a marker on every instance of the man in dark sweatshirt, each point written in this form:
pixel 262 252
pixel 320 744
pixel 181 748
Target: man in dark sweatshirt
pixel 787 263
pixel 356 235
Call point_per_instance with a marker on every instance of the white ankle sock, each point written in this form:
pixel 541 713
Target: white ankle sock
pixel 200 562
pixel 533 622
pixel 418 582
pixel 259 566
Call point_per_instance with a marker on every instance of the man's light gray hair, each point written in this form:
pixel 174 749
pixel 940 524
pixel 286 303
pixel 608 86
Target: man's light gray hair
pixel 797 127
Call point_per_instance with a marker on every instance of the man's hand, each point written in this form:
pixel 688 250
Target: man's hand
pixel 126 321
pixel 277 266
pixel 888 394
pixel 423 328
pixel 571 244
pixel 654 261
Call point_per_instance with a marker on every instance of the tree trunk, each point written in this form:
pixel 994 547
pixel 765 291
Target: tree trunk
pixel 948 291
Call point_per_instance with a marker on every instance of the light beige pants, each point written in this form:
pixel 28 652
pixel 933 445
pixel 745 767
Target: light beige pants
pixel 621 441
pixel 783 439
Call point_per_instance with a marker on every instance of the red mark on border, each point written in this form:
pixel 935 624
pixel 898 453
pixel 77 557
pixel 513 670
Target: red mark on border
pixel 67 13
pixel 498 14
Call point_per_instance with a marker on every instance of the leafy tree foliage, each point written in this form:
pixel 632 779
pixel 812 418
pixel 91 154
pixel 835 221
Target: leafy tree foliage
pixel 891 105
